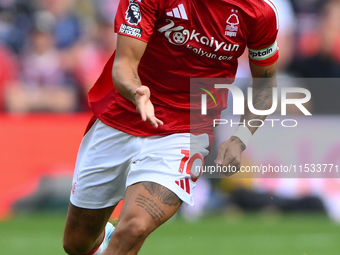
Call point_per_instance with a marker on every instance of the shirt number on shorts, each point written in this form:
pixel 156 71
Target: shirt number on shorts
pixel 188 162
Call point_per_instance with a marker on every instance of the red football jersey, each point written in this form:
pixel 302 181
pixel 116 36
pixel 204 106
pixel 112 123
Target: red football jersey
pixel 186 39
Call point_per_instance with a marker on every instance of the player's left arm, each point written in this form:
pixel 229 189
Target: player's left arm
pixel 264 80
pixel 263 55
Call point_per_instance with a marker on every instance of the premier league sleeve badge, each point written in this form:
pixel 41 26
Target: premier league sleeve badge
pixel 133 14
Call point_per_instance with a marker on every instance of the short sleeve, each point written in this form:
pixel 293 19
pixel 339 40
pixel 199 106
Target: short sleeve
pixel 263 48
pixel 136 18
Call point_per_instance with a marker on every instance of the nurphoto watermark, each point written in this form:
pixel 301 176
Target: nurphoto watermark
pixel 296 120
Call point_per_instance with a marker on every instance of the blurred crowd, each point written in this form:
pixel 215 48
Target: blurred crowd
pixel 52 51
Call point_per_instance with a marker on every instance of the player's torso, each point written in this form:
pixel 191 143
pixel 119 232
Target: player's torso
pixel 186 39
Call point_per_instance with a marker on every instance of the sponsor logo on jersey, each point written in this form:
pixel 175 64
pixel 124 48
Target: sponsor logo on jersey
pixel 263 53
pixel 232 24
pixel 129 30
pixel 133 14
pixel 178 12
pixel 178 35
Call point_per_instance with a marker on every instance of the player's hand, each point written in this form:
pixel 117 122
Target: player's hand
pixel 144 106
pixel 229 154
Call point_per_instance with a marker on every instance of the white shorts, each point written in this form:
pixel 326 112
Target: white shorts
pixel 110 160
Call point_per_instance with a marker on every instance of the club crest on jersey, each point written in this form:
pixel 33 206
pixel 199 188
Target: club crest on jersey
pixel 232 24
pixel 133 14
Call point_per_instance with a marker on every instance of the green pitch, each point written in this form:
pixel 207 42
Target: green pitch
pixel 235 235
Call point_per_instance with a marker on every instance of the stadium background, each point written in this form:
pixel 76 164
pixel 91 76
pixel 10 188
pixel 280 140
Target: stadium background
pixel 52 51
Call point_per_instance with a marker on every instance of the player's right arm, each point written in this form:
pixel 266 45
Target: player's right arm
pixel 124 71
pixel 125 77
pixel 134 24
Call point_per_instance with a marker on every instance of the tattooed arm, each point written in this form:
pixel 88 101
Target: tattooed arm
pixel 229 152
pixel 125 77
pixel 264 80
